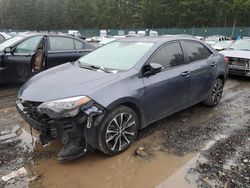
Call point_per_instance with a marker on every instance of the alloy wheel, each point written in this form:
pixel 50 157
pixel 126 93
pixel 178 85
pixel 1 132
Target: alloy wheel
pixel 217 92
pixel 120 132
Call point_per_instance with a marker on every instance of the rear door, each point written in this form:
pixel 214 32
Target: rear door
pixel 64 49
pixel 18 64
pixel 202 67
pixel 169 90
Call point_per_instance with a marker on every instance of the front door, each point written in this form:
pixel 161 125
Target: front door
pixel 18 63
pixel 169 90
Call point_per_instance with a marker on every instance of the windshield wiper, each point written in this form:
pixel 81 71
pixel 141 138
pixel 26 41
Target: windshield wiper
pixel 93 67
pixel 101 68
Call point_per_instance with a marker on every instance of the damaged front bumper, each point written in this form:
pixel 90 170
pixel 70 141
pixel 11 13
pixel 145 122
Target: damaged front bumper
pixel 239 70
pixel 88 118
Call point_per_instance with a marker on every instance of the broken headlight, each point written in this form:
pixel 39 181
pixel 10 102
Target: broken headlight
pixel 68 107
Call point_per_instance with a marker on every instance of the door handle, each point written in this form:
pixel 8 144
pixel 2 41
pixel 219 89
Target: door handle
pixel 186 74
pixel 213 64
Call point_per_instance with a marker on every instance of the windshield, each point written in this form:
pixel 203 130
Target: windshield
pixel 241 45
pixel 117 55
pixel 10 42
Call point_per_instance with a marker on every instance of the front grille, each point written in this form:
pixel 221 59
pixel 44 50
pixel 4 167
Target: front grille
pixel 238 61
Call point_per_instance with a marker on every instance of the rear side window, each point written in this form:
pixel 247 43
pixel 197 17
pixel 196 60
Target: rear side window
pixel 78 45
pixel 28 45
pixel 196 51
pixel 168 56
pixel 61 43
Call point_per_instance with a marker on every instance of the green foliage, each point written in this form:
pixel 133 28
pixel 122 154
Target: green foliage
pixel 63 14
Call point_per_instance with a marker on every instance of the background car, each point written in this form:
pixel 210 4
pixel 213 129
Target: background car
pixel 29 53
pixel 239 57
pixel 212 40
pixel 132 34
pixel 4 37
pixel 120 88
pixel 153 33
pixel 222 45
pixel 141 33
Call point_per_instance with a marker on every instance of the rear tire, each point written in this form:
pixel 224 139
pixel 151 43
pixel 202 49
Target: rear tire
pixel 118 130
pixel 216 93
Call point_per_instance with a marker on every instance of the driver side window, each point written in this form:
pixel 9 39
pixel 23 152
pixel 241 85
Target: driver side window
pixel 169 56
pixel 28 45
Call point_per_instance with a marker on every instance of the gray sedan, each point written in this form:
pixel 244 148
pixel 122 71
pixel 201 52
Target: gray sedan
pixel 105 97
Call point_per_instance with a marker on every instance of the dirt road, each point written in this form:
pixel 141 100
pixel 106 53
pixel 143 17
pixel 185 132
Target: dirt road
pixel 198 147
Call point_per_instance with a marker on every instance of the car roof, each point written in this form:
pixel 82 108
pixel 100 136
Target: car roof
pixel 158 39
pixel 30 34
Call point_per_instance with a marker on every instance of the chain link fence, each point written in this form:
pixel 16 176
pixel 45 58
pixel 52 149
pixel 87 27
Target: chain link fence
pixel 227 31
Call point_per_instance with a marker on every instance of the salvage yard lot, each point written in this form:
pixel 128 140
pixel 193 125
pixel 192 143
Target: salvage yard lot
pixel 198 147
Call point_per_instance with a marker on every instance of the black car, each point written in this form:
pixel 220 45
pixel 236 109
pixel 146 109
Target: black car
pixel 105 97
pixel 29 53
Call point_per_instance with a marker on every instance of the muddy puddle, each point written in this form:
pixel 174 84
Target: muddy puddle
pixel 122 171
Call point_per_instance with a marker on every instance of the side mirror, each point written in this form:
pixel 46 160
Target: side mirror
pixel 152 68
pixel 8 50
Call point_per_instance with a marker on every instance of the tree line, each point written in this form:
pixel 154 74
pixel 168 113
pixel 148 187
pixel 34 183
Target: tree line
pixel 121 14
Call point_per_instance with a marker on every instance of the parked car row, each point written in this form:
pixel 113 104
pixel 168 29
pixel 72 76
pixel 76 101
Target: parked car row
pixel 104 98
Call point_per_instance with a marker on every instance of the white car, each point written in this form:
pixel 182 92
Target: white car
pixel 132 34
pixel 141 33
pixel 239 57
pixel 212 40
pixel 222 45
pixel 153 33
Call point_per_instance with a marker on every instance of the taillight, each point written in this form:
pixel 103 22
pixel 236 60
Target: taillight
pixel 226 60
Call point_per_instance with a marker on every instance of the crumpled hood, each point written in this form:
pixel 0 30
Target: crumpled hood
pixel 236 53
pixel 67 80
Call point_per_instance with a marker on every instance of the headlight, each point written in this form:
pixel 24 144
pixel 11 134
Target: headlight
pixel 68 107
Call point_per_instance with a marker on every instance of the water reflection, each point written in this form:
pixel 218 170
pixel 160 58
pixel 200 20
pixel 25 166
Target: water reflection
pixel 122 172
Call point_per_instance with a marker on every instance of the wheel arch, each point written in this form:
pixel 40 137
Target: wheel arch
pixel 222 77
pixel 134 105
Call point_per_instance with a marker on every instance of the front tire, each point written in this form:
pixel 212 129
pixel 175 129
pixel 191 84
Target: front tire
pixel 118 130
pixel 216 93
